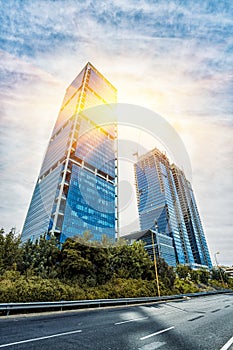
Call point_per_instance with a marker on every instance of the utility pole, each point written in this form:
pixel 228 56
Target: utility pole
pixel 221 276
pixel 155 260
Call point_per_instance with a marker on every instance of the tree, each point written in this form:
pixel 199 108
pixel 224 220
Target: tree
pixel 10 251
pixel 194 276
pixel 166 273
pixel 85 263
pixel 106 241
pixel 73 265
pixel 96 265
pixel 219 274
pixel 41 257
pixel 131 261
pixel 204 276
pixel 85 238
pixel 183 271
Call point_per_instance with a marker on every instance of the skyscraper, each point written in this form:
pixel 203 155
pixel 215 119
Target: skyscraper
pixel 191 217
pixel 158 200
pixel 76 189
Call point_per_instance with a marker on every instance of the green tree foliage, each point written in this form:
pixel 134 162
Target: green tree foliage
pixel 185 286
pixel 41 257
pixel 166 274
pixel 131 261
pixel 183 271
pixel 85 238
pixel 10 251
pixel 194 276
pixel 19 288
pixel 197 276
pixel 83 268
pixel 218 274
pixel 123 288
pixel 85 263
pixel 204 276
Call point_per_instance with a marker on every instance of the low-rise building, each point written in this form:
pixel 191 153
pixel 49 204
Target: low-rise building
pixel 163 244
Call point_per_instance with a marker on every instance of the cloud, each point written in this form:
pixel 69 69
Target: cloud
pixel 29 104
pixel 174 57
pixel 44 25
pixel 211 151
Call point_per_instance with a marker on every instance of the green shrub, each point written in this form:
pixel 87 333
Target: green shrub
pixel 35 289
pixel 184 287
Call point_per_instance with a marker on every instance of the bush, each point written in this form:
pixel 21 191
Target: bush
pixel 184 287
pixel 127 288
pixel 22 289
pixel 40 271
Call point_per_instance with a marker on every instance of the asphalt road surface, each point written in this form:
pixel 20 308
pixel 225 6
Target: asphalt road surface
pixel 199 323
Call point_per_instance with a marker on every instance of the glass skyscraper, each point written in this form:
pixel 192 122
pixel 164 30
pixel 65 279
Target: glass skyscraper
pixel 191 217
pixel 76 189
pixel 159 201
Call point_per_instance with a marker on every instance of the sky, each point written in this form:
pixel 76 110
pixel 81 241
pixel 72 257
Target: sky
pixel 173 57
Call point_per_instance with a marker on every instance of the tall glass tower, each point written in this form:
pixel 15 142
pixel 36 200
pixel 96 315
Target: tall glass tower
pixel 191 217
pixel 76 189
pixel 158 200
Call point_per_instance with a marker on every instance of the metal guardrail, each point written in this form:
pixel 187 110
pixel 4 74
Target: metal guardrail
pixel 61 305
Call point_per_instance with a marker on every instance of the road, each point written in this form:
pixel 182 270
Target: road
pixel 199 323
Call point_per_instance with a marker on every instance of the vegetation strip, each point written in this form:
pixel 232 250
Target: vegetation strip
pixel 83 269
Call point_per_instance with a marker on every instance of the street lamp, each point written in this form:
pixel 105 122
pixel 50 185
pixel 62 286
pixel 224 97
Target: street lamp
pixel 155 260
pixel 215 256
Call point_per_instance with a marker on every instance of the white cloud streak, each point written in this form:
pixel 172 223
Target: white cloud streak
pixel 171 56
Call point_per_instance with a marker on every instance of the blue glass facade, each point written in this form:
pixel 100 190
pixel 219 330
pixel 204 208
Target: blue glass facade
pixel 70 102
pixel 96 147
pixel 40 209
pixel 57 148
pixel 77 184
pixel 163 244
pixel 191 218
pixel 90 205
pixel 158 199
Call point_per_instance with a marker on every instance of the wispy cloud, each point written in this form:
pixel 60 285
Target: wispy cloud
pixel 28 102
pixel 174 57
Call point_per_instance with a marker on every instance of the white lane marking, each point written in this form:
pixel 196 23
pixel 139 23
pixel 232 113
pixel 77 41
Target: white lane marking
pixel 134 319
pixel 156 333
pixel 228 344
pixel 40 338
pixel 152 346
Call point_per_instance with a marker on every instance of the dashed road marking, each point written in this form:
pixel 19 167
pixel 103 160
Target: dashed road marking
pixel 156 333
pixel 40 338
pixel 152 346
pixel 215 310
pixel 196 318
pixel 134 319
pixel 228 344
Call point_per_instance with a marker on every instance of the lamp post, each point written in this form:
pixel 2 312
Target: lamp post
pixel 215 256
pixel 155 260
